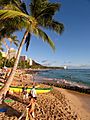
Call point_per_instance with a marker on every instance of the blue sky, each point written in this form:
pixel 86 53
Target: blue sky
pixel 73 46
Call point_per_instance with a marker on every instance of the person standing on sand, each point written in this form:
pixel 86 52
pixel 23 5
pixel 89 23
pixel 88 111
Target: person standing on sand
pixel 33 93
pixel 24 91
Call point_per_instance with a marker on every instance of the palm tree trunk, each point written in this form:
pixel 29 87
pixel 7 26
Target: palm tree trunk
pixel 5 88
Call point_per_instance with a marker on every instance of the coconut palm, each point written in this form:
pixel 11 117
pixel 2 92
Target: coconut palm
pixel 11 38
pixel 5 44
pixel 42 16
pixel 43 11
pixel 1 48
pixel 24 21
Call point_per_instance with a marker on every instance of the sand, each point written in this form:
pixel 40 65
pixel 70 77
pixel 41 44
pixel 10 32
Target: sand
pixel 59 104
pixel 79 102
pixel 49 106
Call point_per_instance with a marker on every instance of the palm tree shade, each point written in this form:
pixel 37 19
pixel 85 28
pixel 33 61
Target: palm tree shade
pixel 41 16
pixel 30 25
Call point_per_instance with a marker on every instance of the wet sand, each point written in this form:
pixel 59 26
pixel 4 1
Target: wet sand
pixel 79 102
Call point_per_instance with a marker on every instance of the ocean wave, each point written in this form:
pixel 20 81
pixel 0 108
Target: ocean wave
pixel 61 81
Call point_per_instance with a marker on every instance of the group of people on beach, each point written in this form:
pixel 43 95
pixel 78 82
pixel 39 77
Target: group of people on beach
pixel 32 96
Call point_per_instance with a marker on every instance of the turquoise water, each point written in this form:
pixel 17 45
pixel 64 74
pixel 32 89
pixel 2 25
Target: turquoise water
pixel 79 76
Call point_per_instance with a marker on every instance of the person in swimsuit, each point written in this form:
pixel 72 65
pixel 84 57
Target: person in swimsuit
pixel 31 107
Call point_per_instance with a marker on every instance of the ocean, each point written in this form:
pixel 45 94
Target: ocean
pixel 78 77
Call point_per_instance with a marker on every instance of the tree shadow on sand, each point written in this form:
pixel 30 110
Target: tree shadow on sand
pixel 10 111
pixel 15 98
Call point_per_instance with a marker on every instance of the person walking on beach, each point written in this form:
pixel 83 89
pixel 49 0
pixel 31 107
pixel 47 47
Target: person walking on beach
pixel 33 93
pixel 31 108
pixel 32 98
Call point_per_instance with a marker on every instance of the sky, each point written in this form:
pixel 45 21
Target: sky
pixel 73 45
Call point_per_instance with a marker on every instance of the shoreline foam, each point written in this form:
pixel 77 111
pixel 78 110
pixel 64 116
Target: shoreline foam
pixel 62 83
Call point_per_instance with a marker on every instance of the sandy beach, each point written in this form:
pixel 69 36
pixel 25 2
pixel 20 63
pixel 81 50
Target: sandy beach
pixel 59 104
pixel 79 102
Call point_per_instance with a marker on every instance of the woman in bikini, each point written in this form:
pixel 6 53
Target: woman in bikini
pixel 31 107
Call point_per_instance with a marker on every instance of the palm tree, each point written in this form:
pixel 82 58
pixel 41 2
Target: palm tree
pixel 43 11
pixel 13 40
pixel 25 21
pixel 42 17
pixel 1 48
pixel 5 44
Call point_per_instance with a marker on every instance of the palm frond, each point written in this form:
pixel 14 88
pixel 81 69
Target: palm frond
pixel 44 36
pixel 24 9
pixel 11 7
pixel 13 39
pixel 27 41
pixel 5 2
pixel 44 13
pixel 7 15
pixel 56 26
pixel 46 9
pixel 9 30
pixel 11 14
pixel 11 26
pixel 16 43
pixel 1 48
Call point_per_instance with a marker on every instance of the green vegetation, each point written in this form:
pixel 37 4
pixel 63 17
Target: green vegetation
pixel 14 16
pixel 0 55
pixel 24 64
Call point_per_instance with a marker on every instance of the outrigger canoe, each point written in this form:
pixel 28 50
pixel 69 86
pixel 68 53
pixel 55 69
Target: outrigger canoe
pixel 38 90
pixel 20 89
